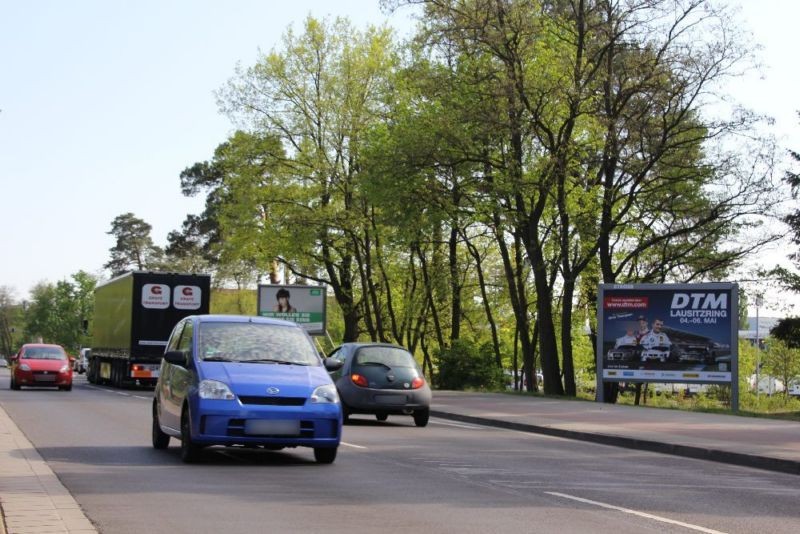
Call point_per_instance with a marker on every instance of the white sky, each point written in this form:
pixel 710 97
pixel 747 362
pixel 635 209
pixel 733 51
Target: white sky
pixel 105 102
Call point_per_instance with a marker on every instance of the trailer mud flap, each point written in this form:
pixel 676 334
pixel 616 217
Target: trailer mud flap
pixel 142 370
pixel 105 370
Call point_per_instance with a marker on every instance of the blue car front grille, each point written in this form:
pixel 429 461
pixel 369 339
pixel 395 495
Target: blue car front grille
pixel 273 401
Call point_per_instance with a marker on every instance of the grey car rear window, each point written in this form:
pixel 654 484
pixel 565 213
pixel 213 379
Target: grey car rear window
pixel 390 356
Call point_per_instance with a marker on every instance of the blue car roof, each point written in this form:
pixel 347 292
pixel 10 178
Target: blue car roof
pixel 241 319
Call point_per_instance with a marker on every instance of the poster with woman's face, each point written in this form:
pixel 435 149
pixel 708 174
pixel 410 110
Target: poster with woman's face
pixel 304 305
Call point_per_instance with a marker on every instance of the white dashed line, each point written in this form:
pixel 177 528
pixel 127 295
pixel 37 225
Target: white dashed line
pixel 634 512
pixel 352 445
pixel 457 425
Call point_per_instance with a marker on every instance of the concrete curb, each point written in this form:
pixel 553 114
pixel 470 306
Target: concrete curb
pixel 32 498
pixel 687 451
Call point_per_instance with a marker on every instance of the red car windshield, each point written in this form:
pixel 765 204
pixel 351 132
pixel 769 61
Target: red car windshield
pixel 44 353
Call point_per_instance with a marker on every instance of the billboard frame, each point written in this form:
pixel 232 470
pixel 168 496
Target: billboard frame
pixel 699 287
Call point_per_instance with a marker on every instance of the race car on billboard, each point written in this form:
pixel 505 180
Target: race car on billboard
pixel 656 352
pixel 623 353
pixel 688 347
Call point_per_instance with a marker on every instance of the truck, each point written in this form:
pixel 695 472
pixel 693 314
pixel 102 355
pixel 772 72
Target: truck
pixel 134 315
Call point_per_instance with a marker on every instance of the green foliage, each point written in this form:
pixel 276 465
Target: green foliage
pixel 134 248
pixel 483 178
pixel 466 365
pixel 782 361
pixel 787 330
pixel 233 301
pixel 56 313
pixel 11 321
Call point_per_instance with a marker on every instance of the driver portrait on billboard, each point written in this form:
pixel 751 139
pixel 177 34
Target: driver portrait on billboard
pixel 628 339
pixel 655 337
pixel 643 329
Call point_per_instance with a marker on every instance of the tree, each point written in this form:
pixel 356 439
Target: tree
pixel 56 312
pixel 782 361
pixel 601 152
pixel 317 97
pixel 788 278
pixel 787 330
pixel 8 317
pixel 134 248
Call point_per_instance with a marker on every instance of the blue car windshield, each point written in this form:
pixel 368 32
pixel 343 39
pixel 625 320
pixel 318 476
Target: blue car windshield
pixel 256 343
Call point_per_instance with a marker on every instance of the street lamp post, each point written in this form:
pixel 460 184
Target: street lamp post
pixel 759 302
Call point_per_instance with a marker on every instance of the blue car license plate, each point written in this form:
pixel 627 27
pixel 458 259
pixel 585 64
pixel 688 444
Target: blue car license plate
pixel 269 427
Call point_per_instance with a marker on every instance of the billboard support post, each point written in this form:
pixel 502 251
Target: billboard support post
pixel 668 333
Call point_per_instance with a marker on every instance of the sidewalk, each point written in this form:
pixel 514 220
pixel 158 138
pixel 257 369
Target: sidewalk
pixel 748 441
pixel 32 499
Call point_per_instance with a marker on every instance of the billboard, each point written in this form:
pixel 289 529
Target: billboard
pixel 305 305
pixel 668 333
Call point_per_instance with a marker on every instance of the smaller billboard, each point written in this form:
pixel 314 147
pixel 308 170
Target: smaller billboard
pixel 304 305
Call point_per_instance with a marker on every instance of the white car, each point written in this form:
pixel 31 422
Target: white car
pixel 81 362
pixel 767 385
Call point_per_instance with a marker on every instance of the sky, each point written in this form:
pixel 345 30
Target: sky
pixel 103 104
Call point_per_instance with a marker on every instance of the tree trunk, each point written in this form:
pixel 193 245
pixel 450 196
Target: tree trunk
pixel 566 338
pixel 487 308
pixel 429 295
pixel 455 284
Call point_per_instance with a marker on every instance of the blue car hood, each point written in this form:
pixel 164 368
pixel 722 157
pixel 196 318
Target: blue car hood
pixel 255 378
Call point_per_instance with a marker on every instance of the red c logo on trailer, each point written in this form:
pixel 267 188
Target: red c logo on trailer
pixel 187 291
pixel 155 290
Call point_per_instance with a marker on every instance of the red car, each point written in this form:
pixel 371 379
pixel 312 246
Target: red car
pixel 38 364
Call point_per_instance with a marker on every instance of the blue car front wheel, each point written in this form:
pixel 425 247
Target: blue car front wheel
pixel 325 455
pixel 189 450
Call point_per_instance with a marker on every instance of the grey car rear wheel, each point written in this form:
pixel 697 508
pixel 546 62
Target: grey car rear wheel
pixel 421 417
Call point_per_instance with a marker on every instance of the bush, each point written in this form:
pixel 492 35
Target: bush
pixel 465 365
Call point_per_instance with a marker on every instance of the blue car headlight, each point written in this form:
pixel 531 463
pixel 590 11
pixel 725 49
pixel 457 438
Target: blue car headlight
pixel 325 395
pixel 215 390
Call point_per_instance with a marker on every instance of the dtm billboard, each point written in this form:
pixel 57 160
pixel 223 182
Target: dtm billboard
pixel 667 333
pixel 305 305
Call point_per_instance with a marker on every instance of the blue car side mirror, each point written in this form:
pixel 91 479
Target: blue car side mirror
pixel 176 357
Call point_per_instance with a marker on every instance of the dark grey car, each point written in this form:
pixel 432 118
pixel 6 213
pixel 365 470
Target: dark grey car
pixel 381 379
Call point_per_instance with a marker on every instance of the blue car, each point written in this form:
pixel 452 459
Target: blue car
pixel 245 381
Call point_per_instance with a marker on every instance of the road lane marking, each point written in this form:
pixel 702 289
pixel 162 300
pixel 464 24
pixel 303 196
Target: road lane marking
pixel 352 445
pixel 457 425
pixel 634 512
pixel 114 392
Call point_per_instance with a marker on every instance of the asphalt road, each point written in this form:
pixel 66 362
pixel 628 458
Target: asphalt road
pixel 388 477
